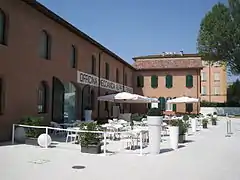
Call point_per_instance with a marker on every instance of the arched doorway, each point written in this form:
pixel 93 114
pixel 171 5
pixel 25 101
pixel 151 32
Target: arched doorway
pixel 86 99
pixel 57 100
pixel 70 102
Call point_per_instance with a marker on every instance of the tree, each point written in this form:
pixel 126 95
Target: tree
pixel 233 92
pixel 219 35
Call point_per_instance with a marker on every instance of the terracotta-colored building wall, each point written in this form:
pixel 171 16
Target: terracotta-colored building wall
pixel 179 85
pixel 22 69
pixel 210 83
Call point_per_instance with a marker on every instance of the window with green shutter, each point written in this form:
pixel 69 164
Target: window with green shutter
pixel 154 81
pixel 140 81
pixel 189 81
pixel 169 81
pixel 162 103
pixel 175 107
pixel 106 70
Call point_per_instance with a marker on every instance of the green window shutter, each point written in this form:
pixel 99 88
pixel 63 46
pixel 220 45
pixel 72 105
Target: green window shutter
pixel 154 81
pixel 168 80
pixel 175 107
pixel 189 81
pixel 162 103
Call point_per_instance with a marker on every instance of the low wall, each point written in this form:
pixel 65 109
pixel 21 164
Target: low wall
pixel 220 110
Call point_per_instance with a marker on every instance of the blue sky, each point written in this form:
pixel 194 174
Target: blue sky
pixel 137 27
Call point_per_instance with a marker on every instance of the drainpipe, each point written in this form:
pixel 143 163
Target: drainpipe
pixel 209 81
pixel 123 83
pixel 198 75
pixel 99 82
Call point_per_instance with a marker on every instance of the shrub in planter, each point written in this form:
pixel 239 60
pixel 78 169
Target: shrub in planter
pixel 90 142
pixel 182 130
pixel 154 112
pixel 214 121
pixel 204 123
pixel 33 121
pixel 154 118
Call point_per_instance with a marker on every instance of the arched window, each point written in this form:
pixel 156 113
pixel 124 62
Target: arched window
pixel 42 97
pixel 93 99
pixel 73 56
pixel 45 45
pixel 93 65
pixel 3 28
pixel 117 75
pixel 154 81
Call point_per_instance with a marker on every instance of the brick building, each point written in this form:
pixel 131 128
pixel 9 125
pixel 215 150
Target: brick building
pixel 49 68
pixel 168 76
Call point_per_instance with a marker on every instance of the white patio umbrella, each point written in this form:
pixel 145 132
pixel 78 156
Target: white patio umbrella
pixel 125 97
pixel 183 99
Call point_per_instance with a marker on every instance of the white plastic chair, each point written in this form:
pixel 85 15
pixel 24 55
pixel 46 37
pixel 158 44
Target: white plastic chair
pixel 72 135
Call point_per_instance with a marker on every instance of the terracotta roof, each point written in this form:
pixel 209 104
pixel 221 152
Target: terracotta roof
pixel 168 64
pixel 51 15
pixel 166 56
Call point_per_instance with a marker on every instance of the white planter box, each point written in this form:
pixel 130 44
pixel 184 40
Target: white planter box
pixel 88 115
pixel 194 125
pixel 174 133
pixel 154 125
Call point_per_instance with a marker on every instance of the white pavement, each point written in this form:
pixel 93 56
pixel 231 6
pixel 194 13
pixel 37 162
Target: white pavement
pixel 210 156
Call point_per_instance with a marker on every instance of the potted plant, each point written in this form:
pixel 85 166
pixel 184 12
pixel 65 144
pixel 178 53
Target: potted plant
pixel 174 133
pixel 154 119
pixel 88 113
pixel 215 115
pixel 214 121
pixel 90 142
pixel 31 134
pixel 204 123
pixel 182 131
pixel 186 120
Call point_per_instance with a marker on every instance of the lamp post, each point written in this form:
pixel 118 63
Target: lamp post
pixel 99 81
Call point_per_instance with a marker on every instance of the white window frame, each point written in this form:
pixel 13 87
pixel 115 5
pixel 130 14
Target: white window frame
pixel 204 90
pixel 169 106
pixel 216 90
pixel 216 76
pixel 203 76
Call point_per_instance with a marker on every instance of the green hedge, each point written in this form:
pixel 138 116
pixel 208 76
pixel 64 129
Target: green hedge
pixel 214 104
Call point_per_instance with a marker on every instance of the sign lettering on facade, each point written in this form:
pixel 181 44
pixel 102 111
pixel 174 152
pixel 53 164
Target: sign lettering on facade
pixel 92 80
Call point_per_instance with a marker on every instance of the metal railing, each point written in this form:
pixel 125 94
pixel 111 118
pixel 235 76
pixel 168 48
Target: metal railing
pixel 104 133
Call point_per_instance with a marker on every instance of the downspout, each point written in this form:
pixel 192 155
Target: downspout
pixel 198 74
pixel 99 83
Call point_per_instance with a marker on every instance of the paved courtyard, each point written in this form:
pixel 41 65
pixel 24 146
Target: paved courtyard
pixel 208 155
